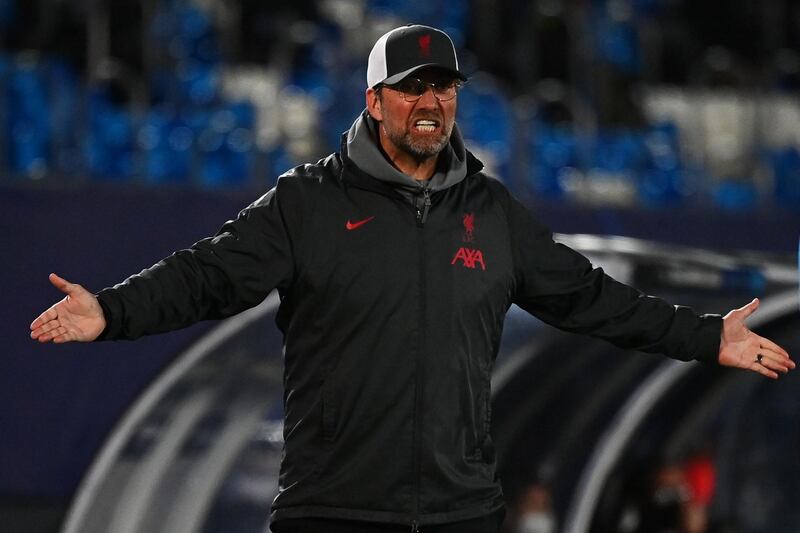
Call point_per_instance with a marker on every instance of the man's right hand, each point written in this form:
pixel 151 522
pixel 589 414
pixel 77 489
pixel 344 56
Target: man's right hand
pixel 78 317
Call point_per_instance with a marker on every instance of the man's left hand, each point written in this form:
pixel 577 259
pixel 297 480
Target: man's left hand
pixel 741 348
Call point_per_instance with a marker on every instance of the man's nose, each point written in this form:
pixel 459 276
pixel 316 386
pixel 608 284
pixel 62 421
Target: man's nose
pixel 428 98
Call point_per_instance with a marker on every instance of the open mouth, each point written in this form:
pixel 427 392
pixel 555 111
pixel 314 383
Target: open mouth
pixel 426 125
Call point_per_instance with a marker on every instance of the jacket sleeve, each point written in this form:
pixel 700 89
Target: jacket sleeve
pixel 559 285
pixel 217 277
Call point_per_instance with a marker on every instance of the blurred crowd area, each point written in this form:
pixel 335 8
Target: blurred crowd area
pixel 631 103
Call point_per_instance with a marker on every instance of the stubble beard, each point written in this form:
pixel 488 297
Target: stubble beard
pixel 421 149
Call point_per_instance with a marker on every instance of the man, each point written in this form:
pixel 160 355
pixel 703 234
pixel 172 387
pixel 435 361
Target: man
pixel 396 260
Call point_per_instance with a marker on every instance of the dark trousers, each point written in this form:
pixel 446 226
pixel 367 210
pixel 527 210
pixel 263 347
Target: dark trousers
pixel 484 524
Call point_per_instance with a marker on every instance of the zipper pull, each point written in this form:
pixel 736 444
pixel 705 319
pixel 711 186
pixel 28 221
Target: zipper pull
pixel 422 214
pixel 427 204
pixel 414 527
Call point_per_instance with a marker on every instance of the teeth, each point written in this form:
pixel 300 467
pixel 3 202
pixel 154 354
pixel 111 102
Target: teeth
pixel 426 125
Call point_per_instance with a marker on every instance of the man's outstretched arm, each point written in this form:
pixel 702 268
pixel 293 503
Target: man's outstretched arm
pixel 741 348
pixel 78 317
pixel 560 286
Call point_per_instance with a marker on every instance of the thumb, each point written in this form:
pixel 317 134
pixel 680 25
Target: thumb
pixel 61 284
pixel 749 309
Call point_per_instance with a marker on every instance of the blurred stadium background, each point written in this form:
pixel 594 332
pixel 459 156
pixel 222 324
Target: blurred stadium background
pixel 668 129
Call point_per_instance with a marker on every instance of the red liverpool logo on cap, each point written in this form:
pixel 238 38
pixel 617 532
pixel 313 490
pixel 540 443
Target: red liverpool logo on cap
pixel 425 46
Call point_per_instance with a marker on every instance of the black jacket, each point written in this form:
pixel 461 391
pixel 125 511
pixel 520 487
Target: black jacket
pixel 392 315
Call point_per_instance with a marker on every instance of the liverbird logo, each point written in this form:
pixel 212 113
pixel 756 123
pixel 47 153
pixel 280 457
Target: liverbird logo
pixel 469 226
pixel 425 46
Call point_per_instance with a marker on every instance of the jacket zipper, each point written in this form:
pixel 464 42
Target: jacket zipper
pixel 424 206
pixel 422 209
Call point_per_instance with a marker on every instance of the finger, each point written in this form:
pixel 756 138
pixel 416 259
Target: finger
pixel 58 335
pixel 46 328
pixel 778 355
pixel 50 314
pixel 763 370
pixel 776 361
pixel 64 336
pixel 773 362
pixel 47 336
pixel 767 344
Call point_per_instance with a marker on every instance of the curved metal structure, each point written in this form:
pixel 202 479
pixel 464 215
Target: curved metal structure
pixel 117 494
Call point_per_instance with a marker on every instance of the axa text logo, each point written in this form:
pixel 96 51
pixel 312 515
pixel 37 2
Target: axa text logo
pixel 470 258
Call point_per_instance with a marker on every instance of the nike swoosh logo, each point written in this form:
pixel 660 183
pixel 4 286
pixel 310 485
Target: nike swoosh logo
pixel 358 224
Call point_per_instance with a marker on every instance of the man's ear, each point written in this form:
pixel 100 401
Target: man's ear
pixel 374 104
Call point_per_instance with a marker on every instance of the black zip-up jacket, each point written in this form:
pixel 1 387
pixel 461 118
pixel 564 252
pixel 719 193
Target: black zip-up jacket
pixel 392 315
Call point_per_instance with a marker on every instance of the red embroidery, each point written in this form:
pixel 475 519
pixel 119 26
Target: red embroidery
pixel 425 46
pixel 469 258
pixel 469 226
pixel 353 225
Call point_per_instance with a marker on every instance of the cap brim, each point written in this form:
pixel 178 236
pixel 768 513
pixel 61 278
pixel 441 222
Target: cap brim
pixel 391 80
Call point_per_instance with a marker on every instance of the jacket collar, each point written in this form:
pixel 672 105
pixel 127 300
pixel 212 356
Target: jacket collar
pixel 350 172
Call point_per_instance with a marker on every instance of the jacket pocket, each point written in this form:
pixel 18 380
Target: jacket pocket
pixel 484 449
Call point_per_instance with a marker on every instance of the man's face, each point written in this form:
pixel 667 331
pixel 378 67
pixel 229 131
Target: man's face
pixel 419 128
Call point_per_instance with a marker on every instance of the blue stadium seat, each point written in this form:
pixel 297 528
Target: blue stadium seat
pixel 280 160
pixel 226 148
pixel 198 83
pixel 186 32
pixel 28 120
pixel 165 142
pixel 732 194
pixel 663 182
pixel 110 144
pixel 486 120
pixel 553 149
pixel 616 42
pixel 618 151
pixel 785 165
pixel 66 122
pixel 348 95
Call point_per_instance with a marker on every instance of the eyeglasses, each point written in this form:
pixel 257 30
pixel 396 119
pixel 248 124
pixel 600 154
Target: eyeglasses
pixel 412 89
